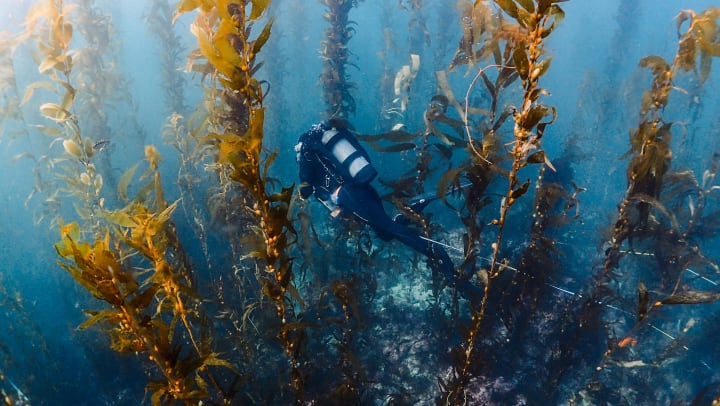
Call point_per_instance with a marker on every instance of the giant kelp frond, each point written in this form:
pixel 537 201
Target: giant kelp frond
pixel 650 142
pixel 662 210
pixel 335 54
pixel 524 38
pixel 129 258
pixel 159 21
pixel 10 104
pixel 146 307
pixel 701 36
pixel 225 38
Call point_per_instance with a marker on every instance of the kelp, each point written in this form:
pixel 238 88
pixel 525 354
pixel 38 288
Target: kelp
pixel 390 113
pixel 10 104
pixel 349 387
pixel 662 208
pixel 650 142
pixel 335 54
pixel 146 306
pixel 534 21
pixel 159 21
pixel 129 258
pixel 224 33
pixel 419 34
pixel 49 28
pixel 193 152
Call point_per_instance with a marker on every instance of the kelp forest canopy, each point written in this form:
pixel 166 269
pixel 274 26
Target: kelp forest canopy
pixel 155 249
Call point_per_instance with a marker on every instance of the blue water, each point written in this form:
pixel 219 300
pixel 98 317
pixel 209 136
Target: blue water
pixel 544 340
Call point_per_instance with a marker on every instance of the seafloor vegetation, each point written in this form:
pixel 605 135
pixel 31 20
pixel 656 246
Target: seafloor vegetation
pixel 181 268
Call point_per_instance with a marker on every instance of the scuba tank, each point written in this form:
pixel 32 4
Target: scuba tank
pixel 348 156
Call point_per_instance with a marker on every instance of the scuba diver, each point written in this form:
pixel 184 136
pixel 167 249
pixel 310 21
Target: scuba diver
pixel 337 170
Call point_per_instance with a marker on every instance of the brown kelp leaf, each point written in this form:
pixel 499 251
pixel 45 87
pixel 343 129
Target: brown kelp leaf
pixel 31 88
pixel 222 40
pixel 395 147
pixel 505 114
pixel 392 136
pixel 690 297
pixel 657 205
pixel 97 316
pixel 543 66
pixel 533 116
pixel 124 182
pixel 528 5
pixel 536 158
pixel 541 127
pixel 509 7
pixel 120 218
pixel 489 85
pixel 544 5
pixel 521 62
pixel 643 300
pixel 521 190
pixel 681 18
pixel 444 150
pixel 185 6
pixel 263 37
pixel 54 112
pixel 258 8
pixel 450 177
pixel 655 63
pixel 143 300
pixel 214 360
pixel 687 53
pixel 525 20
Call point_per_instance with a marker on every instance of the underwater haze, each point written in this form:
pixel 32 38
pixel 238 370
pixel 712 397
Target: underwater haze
pixel 155 248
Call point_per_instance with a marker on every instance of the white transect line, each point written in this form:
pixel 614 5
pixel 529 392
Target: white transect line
pixel 461 250
pixel 665 333
pixel 650 254
pixel 569 292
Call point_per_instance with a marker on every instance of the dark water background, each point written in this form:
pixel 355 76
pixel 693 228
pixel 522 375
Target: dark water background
pixel 406 339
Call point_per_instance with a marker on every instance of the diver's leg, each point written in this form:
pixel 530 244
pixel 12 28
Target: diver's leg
pixel 365 203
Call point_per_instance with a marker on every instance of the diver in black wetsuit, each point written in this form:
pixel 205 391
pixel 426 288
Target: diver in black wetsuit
pixel 337 169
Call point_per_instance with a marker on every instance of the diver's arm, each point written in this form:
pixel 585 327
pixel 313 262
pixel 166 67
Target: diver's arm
pixel 303 156
pixel 306 177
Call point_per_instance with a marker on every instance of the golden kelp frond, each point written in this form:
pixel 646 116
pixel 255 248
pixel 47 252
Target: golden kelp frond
pixel 700 37
pixel 224 34
pixel 226 45
pixel 146 307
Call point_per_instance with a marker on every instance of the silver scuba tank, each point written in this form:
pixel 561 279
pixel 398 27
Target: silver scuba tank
pixel 351 158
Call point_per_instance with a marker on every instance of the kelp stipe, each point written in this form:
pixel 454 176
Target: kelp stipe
pixel 334 78
pixel 390 113
pixel 10 104
pixel 75 174
pixel 223 29
pixel 650 142
pixel 660 217
pixel 159 21
pixel 535 20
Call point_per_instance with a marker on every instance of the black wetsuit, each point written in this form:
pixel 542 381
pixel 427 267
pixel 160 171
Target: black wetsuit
pixel 324 175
